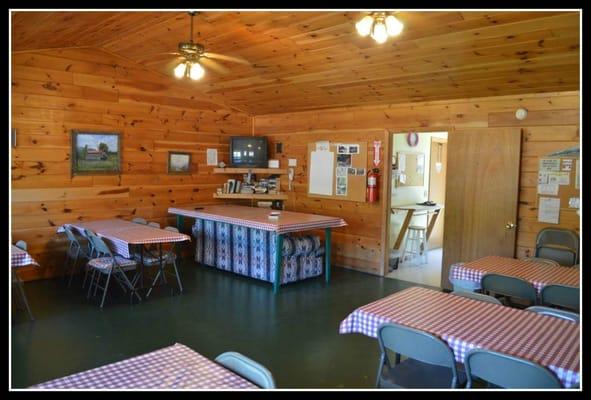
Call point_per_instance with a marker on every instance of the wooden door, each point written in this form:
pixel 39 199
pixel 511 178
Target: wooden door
pixel 438 154
pixel 482 189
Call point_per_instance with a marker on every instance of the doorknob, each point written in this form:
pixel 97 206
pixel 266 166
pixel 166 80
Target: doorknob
pixel 509 225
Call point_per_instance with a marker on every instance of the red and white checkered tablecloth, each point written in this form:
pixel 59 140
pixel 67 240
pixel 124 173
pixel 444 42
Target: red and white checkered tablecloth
pixel 539 274
pixel 121 234
pixel 20 258
pixel 465 324
pixel 173 367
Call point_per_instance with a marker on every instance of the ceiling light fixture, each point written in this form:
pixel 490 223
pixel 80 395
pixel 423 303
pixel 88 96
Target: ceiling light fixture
pixel 379 25
pixel 190 66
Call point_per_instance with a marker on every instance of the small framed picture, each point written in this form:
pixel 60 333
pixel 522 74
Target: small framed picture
pixel 342 149
pixel 179 163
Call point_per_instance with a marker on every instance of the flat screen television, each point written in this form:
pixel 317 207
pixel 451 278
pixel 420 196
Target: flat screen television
pixel 248 151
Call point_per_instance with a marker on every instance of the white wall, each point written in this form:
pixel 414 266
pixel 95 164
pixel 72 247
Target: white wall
pixel 411 194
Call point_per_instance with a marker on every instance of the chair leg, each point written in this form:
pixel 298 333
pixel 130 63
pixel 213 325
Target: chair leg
pixel 91 283
pixel 178 278
pixel 74 266
pixel 86 270
pixel 106 287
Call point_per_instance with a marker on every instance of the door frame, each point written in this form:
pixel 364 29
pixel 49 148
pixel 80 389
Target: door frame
pixel 387 185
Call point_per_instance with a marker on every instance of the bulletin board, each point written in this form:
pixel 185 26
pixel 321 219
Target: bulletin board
pixel 556 172
pixel 348 182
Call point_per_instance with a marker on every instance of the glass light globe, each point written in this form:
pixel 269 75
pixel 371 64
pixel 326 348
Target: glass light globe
pixel 180 69
pixel 196 71
pixel 379 32
pixel 393 25
pixel 364 26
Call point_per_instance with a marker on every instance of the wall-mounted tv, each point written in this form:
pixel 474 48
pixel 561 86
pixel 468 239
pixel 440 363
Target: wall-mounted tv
pixel 248 151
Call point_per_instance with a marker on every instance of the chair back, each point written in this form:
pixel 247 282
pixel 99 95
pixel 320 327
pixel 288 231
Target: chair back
pixel 477 296
pixel 98 244
pixel 508 371
pixel 561 296
pixel 21 244
pixel 418 345
pixel 541 261
pixel 509 286
pixel 138 220
pixel 560 245
pixel 172 229
pixel 553 312
pixel 154 224
pixel 247 368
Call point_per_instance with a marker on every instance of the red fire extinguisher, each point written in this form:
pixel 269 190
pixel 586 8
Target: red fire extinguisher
pixel 372 185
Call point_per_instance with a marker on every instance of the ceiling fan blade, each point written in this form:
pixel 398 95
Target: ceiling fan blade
pixel 175 59
pixel 209 63
pixel 227 58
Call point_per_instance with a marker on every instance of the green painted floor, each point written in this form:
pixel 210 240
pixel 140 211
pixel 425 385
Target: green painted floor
pixel 294 334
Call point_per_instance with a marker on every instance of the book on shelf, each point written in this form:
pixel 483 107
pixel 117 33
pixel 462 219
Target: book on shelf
pixel 231 185
pixel 237 188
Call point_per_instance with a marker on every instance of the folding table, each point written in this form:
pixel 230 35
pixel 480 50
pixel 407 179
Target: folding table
pixel 173 367
pixel 465 324
pixel 122 235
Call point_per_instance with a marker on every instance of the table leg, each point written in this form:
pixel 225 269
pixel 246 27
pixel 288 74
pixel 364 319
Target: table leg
pixel 327 246
pixel 180 222
pixel 432 223
pixel 403 229
pixel 278 262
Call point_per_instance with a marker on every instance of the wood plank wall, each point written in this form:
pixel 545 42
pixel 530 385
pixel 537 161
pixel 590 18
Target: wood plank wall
pixel 552 124
pixel 54 92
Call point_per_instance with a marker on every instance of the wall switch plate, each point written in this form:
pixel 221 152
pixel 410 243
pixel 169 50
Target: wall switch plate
pixel 293 162
pixel 278 147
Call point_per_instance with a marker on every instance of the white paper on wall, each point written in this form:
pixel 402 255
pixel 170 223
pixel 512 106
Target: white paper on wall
pixel 548 189
pixel 321 172
pixel 567 164
pixel 542 177
pixel 212 156
pixel 401 162
pixel 550 164
pixel 549 210
pixel 559 178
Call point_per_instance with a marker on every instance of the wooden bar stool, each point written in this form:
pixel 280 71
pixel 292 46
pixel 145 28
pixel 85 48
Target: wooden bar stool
pixel 416 244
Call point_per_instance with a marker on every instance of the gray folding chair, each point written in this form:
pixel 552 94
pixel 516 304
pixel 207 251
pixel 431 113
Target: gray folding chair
pixel 509 287
pixel 430 362
pixel 506 371
pixel 111 266
pixel 76 251
pixel 154 224
pixel 247 368
pixel 552 312
pixel 138 220
pixel 168 258
pixel 477 296
pixel 561 296
pixel 21 244
pixel 560 245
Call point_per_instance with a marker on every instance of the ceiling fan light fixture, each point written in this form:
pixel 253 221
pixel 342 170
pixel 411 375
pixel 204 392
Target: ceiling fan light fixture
pixel 364 25
pixel 379 32
pixel 393 25
pixel 196 72
pixel 180 70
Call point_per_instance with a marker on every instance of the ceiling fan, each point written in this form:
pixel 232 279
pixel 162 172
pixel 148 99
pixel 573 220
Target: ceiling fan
pixel 192 58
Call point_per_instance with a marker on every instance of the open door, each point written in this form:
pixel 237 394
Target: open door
pixel 482 190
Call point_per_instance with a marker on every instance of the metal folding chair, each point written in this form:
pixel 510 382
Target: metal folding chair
pixel 22 297
pixel 138 220
pixel 477 296
pixel 247 368
pixel 560 245
pixel 110 265
pixel 561 296
pixel 509 287
pixel 76 250
pixel 569 316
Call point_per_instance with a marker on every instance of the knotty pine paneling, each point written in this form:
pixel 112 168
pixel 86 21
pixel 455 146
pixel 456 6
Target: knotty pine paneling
pixel 553 126
pixel 54 92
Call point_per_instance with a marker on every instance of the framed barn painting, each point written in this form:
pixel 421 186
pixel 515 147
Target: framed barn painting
pixel 179 163
pixel 95 153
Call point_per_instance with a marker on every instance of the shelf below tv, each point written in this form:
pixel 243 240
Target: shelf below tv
pixel 245 170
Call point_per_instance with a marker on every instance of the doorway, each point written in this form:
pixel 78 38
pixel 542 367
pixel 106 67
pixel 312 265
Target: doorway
pixel 417 204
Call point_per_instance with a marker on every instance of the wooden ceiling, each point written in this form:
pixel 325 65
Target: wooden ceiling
pixel 313 60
